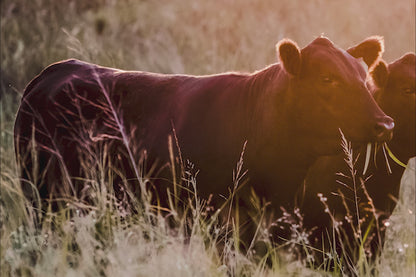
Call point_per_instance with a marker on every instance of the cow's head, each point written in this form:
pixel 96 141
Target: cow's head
pixel 395 92
pixel 330 92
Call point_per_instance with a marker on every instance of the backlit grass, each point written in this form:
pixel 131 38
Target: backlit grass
pixel 193 37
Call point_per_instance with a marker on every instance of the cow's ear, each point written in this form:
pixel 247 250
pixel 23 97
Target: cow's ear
pixel 380 74
pixel 289 55
pixel 370 50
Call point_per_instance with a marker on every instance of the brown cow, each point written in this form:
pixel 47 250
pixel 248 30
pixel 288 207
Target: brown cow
pixel 394 90
pixel 289 113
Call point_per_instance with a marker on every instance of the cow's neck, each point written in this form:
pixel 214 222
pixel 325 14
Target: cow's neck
pixel 276 152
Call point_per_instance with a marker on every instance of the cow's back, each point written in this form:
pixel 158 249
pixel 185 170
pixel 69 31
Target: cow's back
pixel 74 108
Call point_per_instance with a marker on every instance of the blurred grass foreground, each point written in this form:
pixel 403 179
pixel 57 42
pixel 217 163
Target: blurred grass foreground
pixel 172 36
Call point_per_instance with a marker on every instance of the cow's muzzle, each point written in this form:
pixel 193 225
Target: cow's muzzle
pixel 383 129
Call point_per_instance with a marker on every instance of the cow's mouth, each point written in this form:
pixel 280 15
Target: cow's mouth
pixel 385 151
pixel 370 150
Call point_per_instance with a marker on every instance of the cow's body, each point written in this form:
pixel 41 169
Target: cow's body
pixel 289 114
pixel 394 90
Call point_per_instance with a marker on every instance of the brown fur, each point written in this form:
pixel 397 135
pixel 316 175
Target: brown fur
pixel 289 113
pixel 394 90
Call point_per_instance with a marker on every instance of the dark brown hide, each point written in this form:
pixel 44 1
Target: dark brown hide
pixel 393 87
pixel 289 113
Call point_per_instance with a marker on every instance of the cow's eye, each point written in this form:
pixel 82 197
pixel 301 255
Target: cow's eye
pixel 328 80
pixel 409 90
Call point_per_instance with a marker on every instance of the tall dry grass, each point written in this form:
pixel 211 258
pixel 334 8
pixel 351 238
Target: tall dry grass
pixel 169 36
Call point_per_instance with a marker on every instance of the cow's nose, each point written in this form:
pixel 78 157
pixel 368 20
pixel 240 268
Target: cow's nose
pixel 383 130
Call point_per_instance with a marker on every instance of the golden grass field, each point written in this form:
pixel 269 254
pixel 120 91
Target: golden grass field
pixel 172 36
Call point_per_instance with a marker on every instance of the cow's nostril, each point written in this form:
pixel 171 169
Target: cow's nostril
pixel 384 130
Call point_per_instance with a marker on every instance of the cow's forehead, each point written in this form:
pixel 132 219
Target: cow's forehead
pixel 324 51
pixel 323 41
pixel 409 59
pixel 359 60
pixel 404 66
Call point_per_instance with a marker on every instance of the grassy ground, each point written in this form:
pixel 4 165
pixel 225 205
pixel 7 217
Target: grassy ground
pixel 169 36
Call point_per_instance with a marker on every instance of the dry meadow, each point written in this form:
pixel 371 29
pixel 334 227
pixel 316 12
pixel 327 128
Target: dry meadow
pixel 172 36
